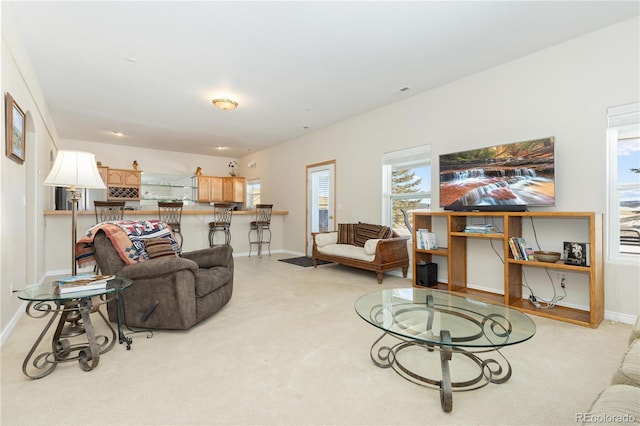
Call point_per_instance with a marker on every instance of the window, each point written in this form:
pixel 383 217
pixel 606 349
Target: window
pixel 623 218
pixel 253 193
pixel 406 185
pixel 319 182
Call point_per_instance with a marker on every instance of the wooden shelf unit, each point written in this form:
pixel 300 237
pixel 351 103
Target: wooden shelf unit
pixel 456 256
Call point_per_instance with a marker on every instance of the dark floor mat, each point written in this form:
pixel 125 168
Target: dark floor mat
pixel 303 261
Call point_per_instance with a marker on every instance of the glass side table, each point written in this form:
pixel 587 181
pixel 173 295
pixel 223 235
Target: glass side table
pixel 74 312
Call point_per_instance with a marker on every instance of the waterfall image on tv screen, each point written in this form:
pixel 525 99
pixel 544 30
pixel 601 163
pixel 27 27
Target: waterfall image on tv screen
pixel 520 173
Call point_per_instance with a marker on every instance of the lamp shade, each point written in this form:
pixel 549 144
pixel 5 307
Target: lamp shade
pixel 75 169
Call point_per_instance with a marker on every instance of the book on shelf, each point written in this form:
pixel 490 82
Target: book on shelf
pixel 432 241
pixel 483 228
pixel 520 250
pixel 514 248
pixel 530 254
pixel 83 282
pixel 576 253
pixel 525 250
pixel 421 239
pixel 426 240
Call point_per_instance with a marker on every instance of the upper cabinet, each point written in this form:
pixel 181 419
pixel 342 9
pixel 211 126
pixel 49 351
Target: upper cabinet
pixel 220 189
pixel 233 189
pixel 124 177
pixel 123 184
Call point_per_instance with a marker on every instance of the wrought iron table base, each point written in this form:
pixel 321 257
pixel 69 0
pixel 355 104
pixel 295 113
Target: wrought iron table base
pixel 259 241
pixel 491 370
pixel 62 350
pixel 121 336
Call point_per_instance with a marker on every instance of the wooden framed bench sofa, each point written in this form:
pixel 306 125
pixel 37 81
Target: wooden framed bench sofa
pixel 362 245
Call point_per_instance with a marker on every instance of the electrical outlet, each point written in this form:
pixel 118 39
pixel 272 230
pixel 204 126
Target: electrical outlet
pixel 562 278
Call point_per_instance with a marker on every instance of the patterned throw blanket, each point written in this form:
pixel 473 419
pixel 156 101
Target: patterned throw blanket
pixel 127 237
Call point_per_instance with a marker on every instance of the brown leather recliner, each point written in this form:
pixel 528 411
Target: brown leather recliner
pixel 169 292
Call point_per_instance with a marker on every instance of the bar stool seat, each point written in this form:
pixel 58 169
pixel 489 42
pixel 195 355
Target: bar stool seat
pixel 259 226
pixel 222 213
pixel 171 214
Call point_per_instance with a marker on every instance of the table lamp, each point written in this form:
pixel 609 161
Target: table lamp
pixel 75 170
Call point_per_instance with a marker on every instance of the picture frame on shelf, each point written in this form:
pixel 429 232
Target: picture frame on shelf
pixel 15 129
pixel 576 253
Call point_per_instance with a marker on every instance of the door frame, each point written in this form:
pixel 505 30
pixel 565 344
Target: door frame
pixel 308 249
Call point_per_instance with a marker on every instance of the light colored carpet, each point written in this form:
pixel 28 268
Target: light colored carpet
pixel 289 349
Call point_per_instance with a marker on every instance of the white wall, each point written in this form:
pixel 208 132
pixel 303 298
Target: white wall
pixel 563 91
pixel 23 195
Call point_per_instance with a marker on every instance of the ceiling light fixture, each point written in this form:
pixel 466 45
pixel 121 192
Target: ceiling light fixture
pixel 225 104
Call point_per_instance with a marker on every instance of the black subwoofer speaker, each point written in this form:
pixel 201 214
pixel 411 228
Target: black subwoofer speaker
pixel 427 274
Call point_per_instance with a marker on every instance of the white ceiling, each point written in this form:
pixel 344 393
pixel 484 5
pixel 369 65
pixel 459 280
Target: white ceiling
pixel 150 69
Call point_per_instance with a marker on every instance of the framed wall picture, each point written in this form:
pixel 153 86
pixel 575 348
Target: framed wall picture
pixel 15 130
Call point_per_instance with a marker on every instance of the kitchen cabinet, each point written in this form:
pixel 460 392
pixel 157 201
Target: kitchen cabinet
pixel 220 189
pixel 123 184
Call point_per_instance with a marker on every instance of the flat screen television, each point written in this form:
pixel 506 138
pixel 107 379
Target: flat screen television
pixel 510 177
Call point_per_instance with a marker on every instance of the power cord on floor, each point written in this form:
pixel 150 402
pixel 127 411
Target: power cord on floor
pixel 541 303
pixel 538 302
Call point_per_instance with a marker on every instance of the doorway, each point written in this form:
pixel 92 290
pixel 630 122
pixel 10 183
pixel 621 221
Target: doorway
pixel 320 200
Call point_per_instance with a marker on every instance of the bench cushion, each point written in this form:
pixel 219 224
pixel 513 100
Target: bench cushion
pixel 348 251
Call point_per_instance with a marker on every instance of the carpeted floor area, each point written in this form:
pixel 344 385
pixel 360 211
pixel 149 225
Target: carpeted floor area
pixel 289 349
pixel 303 261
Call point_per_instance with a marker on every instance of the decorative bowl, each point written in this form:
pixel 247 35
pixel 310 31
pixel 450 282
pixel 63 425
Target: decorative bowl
pixel 547 256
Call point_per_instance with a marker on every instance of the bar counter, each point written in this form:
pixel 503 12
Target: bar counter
pixel 194 226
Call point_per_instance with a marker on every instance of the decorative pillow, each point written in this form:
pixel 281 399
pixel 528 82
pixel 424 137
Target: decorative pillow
pixel 368 231
pixel 387 232
pixel 347 233
pixel 326 238
pixel 370 246
pixel 158 247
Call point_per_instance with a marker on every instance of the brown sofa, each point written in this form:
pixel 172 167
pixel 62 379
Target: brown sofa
pixel 361 245
pixel 170 292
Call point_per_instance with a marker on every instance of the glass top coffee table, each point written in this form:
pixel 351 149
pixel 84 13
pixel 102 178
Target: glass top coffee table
pixel 423 321
pixel 74 310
